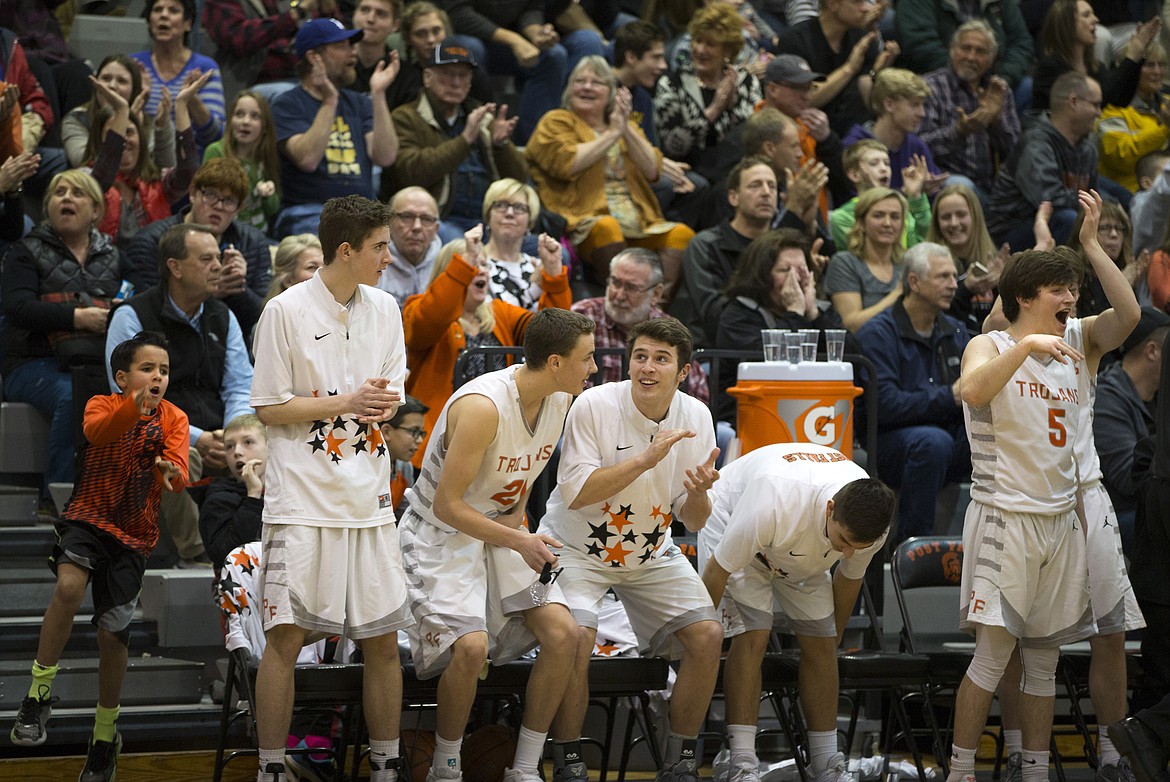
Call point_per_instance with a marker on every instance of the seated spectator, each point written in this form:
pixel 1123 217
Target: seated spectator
pixel 329 136
pixel 1056 158
pixel 1150 208
pixel 414 243
pixel 759 39
pixel 957 223
pixel 424 27
pixel 231 511
pixel 1067 39
pixel 772 288
pixel 217 191
pixel 917 350
pixel 254 40
pixel 456 312
pixel 970 121
pixel 510 210
pixel 211 376
pixel 770 134
pixel 713 255
pixel 122 75
pixel 928 31
pixel 866 279
pixel 379 21
pixel 1113 232
pixel 690 124
pixel 842 42
pixel 1129 132
pixel 250 139
pixel 453 146
pixel 136 192
pixel 631 296
pixel 897 100
pixel 639 61
pixel 593 166
pixel 59 283
pixel 297 259
pixel 1123 415
pixel 867 165
pixel 518 38
pixel 25 111
pixel 403 434
pixel 170 65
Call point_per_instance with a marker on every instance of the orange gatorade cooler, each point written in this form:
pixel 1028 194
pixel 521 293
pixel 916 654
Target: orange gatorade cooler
pixel 809 402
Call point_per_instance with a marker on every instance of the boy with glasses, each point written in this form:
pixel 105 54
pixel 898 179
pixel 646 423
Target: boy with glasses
pixel 404 433
pixel 217 191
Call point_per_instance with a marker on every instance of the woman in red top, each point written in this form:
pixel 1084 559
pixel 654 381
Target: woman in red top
pixel 136 192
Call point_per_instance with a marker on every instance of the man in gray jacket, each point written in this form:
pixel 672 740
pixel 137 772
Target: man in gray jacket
pixel 1056 157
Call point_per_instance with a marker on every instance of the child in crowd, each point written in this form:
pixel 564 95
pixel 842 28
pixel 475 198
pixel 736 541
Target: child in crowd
pixel 250 137
pixel 231 513
pixel 136 445
pixel 403 434
pixel 867 164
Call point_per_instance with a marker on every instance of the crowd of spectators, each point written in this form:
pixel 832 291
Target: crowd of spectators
pixel 738 170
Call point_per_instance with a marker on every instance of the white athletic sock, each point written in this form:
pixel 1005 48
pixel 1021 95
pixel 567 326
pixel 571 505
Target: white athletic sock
pixel 822 746
pixel 1013 741
pixel 741 739
pixel 446 757
pixel 962 763
pixel 1107 753
pixel 380 752
pixel 1035 766
pixel 529 750
pixel 268 756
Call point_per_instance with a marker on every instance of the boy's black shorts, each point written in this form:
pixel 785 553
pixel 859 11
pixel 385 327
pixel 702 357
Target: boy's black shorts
pixel 115 571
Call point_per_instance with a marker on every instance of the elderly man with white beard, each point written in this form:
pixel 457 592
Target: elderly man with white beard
pixel 632 293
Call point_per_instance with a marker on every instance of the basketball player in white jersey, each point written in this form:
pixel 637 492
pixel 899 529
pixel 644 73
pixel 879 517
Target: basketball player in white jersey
pixel 782 516
pixel 473 569
pixel 638 454
pixel 1025 574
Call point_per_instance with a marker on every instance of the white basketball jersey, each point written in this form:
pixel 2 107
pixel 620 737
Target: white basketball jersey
pixel 1084 446
pixel 1022 442
pixel 514 459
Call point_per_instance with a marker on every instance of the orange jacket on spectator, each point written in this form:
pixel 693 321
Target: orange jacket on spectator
pixel 434 337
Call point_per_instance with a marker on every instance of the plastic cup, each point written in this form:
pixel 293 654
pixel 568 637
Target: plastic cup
pixel 809 339
pixel 773 340
pixel 835 344
pixel 792 347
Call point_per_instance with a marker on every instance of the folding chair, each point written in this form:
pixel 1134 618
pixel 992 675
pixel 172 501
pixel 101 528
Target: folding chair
pixel 934 563
pixel 322 688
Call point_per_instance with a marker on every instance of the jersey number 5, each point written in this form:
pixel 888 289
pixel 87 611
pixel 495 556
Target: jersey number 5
pixel 511 492
pixel 1057 434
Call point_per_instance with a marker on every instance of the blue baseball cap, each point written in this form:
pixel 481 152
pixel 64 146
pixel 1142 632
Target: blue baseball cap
pixel 319 32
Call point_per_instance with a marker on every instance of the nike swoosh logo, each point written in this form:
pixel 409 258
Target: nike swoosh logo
pixel 792 553
pixel 624 447
pixel 1029 761
pixel 323 336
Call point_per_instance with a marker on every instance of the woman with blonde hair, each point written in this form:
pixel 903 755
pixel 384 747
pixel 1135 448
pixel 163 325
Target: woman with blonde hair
pixel 593 166
pixel 457 312
pixel 867 278
pixel 957 223
pixel 297 259
pixel 510 210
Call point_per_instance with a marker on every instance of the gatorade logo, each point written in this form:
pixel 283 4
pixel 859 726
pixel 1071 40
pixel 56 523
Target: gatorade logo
pixel 820 424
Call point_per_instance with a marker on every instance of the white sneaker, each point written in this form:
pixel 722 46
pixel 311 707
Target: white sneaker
pixel 444 775
pixel 836 771
pixel 744 768
pixel 516 775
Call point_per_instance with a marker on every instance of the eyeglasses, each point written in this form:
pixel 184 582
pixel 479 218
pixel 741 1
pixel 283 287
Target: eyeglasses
pixel 515 206
pixel 413 431
pixel 1110 228
pixel 584 81
pixel 543 585
pixel 409 218
pixel 628 287
pixel 229 203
